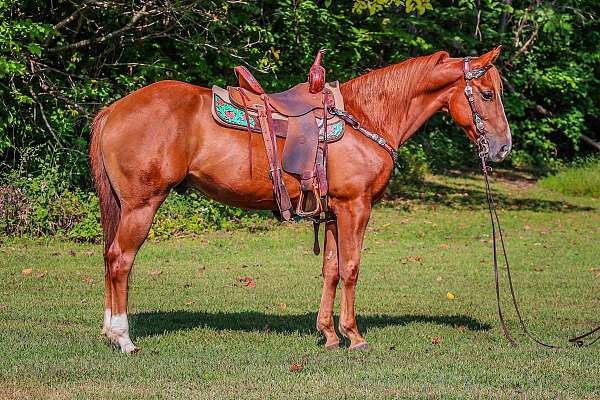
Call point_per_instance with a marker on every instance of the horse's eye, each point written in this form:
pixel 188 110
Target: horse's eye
pixel 487 96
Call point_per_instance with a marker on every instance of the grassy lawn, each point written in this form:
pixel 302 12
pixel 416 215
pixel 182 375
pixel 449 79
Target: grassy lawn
pixel 204 335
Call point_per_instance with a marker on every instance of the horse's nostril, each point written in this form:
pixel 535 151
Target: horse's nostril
pixel 505 148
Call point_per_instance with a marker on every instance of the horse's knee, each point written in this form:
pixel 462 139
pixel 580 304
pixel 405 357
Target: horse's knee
pixel 331 275
pixel 119 263
pixel 350 273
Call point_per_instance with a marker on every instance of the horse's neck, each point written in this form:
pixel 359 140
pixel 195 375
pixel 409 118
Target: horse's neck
pixel 378 108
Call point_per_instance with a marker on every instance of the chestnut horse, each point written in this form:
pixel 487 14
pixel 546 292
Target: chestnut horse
pixel 163 136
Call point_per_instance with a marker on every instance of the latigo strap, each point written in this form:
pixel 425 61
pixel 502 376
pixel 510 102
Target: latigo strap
pixel 280 192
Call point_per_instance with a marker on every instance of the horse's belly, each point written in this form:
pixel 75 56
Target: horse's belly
pixel 227 180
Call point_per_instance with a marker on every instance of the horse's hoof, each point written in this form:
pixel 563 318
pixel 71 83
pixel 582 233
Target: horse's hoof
pixel 359 346
pixel 129 348
pixel 332 345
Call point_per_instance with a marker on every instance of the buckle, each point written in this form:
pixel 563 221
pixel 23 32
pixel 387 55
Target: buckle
pixel 484 147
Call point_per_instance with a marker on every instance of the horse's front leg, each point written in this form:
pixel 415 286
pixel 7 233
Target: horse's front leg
pixel 331 277
pixel 352 219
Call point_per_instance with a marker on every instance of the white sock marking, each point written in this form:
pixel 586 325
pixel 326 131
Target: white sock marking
pixel 119 333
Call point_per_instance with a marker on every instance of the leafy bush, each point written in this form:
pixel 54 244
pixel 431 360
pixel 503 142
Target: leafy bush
pixel 410 168
pixel 578 180
pixel 62 61
pixel 42 205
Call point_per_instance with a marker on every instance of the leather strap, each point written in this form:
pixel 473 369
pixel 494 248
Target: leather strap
pixel 495 223
pixel 353 122
pixel 280 192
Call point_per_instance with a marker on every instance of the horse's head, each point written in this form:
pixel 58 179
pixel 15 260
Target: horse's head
pixel 476 106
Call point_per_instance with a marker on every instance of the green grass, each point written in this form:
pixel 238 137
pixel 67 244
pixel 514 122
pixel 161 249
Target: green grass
pixel 583 180
pixel 203 336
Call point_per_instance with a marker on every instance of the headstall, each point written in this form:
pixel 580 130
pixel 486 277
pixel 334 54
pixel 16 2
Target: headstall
pixel 469 74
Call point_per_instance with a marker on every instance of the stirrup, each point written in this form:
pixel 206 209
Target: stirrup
pixel 305 200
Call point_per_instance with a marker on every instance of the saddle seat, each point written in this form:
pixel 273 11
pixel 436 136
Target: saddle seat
pixel 294 102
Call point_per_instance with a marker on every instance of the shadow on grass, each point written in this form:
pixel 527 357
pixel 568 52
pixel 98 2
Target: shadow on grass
pixel 470 196
pixel 160 322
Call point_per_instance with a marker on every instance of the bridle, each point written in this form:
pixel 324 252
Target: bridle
pixel 469 74
pixel 483 152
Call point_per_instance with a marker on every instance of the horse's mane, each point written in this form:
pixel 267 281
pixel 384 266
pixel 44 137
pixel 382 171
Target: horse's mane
pixel 396 85
pixel 404 81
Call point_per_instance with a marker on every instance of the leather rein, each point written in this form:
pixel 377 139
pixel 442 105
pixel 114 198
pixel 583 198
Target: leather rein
pixel 483 150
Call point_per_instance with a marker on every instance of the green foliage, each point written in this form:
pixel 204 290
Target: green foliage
pixel 582 179
pixel 410 169
pixel 194 214
pixel 60 62
pixel 43 205
pixel 420 6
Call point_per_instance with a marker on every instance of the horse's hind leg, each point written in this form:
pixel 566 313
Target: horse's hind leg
pixel 132 231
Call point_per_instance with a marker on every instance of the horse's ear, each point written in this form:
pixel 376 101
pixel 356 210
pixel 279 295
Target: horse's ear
pixel 441 56
pixel 488 58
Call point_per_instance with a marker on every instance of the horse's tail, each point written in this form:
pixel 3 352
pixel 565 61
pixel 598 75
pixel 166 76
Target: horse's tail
pixel 110 209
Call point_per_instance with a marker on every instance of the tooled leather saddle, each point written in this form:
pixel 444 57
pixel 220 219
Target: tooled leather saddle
pixel 298 115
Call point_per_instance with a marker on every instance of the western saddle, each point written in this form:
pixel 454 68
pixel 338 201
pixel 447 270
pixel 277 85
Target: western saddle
pixel 300 115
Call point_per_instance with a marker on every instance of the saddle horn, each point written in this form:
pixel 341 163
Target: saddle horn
pixel 316 74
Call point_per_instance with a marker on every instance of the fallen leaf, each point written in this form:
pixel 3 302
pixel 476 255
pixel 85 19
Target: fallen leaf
pixel 435 341
pixel 155 272
pixel 40 275
pixel 27 271
pixel 450 296
pixel 408 259
pixel 283 306
pixel 438 279
pixel 189 302
pixel 72 253
pixel 538 269
pixel 88 279
pixel 298 367
pixel 246 281
pixel 89 253
pixel 444 245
